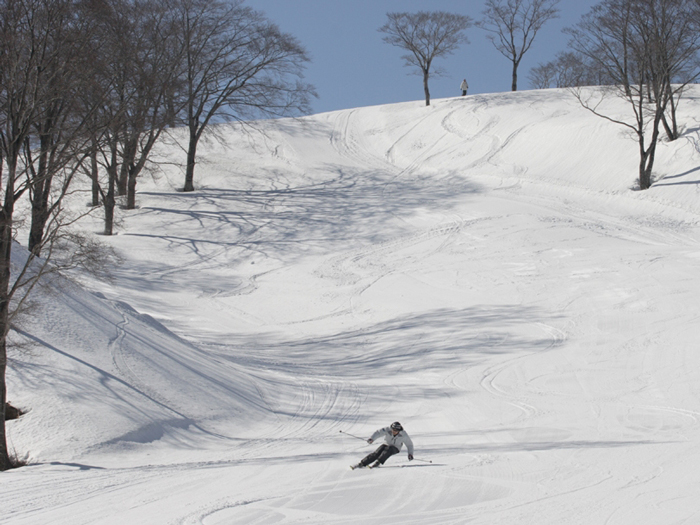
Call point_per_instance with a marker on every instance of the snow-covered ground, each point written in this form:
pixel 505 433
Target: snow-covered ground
pixel 481 270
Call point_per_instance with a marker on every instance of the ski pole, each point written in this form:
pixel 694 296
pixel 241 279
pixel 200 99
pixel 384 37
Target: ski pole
pixel 356 437
pixel 423 460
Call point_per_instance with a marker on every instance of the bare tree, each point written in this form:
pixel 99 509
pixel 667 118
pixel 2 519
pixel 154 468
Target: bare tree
pixel 137 75
pixel 20 74
pixel 676 28
pixel 29 30
pixel 426 36
pixel 544 76
pixel 110 93
pixel 55 147
pixel 513 26
pixel 632 42
pixel 237 65
pixel 151 85
pixel 41 41
pixel 567 70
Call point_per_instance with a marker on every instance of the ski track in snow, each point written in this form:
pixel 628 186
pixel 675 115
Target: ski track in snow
pixel 531 332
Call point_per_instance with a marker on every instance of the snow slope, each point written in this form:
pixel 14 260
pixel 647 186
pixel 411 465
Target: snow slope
pixel 481 270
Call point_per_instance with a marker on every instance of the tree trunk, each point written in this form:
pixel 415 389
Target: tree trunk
pixel 94 175
pixel 109 208
pixel 426 75
pixel 648 155
pixel 131 189
pixel 514 83
pixel 40 189
pixel 123 177
pixel 40 214
pixel 39 211
pixel 672 129
pixel 109 203
pixel 136 167
pixel 4 452
pixel 6 214
pixel 191 158
pixel 128 154
pixel 644 173
pixel 110 198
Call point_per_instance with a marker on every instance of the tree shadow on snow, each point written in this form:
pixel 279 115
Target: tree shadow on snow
pixel 347 209
pixel 440 339
pixel 443 342
pixel 663 182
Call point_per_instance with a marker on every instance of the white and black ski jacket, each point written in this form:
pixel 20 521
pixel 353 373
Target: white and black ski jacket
pixel 398 440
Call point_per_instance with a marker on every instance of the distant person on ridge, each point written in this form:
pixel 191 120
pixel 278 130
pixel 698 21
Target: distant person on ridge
pixel 464 86
pixel 395 437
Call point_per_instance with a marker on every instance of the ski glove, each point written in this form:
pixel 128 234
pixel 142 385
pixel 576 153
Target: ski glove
pixel 370 441
pixel 410 457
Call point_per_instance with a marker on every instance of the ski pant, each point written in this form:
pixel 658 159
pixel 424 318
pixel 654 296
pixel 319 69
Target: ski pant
pixel 383 453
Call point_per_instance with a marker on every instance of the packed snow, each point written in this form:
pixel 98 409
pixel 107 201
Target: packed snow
pixel 482 270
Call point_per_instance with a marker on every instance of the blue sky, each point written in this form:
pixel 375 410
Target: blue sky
pixel 353 67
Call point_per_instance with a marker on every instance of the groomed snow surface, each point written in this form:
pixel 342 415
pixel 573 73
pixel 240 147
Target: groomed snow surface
pixel 482 270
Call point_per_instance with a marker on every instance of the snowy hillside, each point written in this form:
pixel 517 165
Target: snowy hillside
pixel 481 270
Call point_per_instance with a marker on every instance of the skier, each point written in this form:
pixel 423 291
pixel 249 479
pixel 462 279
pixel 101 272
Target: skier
pixel 464 87
pixel 395 437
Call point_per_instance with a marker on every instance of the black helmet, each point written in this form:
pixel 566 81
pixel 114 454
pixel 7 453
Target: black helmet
pixel 396 426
